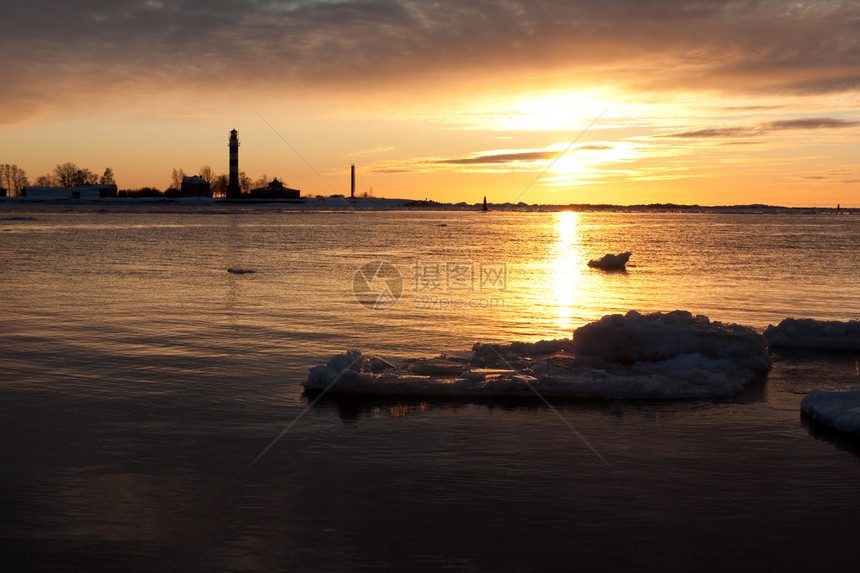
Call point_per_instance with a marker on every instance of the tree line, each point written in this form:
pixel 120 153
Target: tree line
pixel 14 179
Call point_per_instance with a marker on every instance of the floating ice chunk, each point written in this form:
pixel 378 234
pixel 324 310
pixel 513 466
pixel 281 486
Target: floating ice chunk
pixel 654 337
pixel 839 409
pixel 664 356
pixel 610 261
pixel 815 334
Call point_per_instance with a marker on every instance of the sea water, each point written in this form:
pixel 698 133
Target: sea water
pixel 140 380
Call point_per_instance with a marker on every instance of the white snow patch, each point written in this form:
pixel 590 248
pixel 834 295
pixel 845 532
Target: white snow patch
pixel 672 355
pixel 815 334
pixel 839 409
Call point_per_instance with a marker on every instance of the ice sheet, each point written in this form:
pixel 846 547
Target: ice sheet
pixel 839 409
pixel 815 334
pixel 635 356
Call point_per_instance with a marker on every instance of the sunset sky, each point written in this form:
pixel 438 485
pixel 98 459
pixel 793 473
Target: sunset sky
pixel 708 102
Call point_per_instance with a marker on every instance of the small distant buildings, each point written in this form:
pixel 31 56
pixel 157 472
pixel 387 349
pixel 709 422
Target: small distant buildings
pixel 83 192
pixel 195 186
pixel 275 190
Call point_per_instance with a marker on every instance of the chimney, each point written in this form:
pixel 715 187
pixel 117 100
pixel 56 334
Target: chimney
pixel 352 187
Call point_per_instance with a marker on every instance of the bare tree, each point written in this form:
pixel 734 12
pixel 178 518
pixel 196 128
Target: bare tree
pixel 69 175
pixel 46 180
pixel 176 178
pixel 219 185
pixel 66 174
pixel 86 177
pixel 245 182
pixel 207 173
pixel 107 177
pixel 261 181
pixel 13 179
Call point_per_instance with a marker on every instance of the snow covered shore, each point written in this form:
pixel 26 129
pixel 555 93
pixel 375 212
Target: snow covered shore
pixel 657 356
pixel 815 334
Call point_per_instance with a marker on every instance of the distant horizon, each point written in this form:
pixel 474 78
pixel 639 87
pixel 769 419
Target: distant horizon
pixel 644 203
pixel 347 201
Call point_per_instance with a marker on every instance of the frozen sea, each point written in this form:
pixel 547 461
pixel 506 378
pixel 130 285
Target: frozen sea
pixel 139 380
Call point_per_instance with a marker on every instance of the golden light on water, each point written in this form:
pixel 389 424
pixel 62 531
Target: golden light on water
pixel 566 268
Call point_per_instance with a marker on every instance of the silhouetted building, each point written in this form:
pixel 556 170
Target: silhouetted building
pixel 352 181
pixel 275 190
pixel 87 192
pixel 234 191
pixel 195 186
pixel 3 191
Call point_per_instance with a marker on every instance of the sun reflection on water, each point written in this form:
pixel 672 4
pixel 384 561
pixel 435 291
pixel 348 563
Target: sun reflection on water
pixel 566 269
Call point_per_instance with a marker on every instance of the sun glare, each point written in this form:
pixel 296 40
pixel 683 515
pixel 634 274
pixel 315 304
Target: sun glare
pixel 569 164
pixel 590 163
pixel 566 268
pixel 554 112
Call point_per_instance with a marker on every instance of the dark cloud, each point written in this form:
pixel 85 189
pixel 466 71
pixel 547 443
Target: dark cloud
pixel 501 158
pixel 514 157
pixel 717 132
pixel 809 123
pixel 89 47
pixel 847 81
pixel 745 108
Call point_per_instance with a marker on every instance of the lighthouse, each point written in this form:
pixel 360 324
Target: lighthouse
pixel 233 189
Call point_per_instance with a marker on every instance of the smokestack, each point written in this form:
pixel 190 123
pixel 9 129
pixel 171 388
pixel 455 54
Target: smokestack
pixel 352 187
pixel 233 189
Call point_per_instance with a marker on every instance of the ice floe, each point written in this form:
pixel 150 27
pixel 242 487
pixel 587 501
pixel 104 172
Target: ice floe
pixel 815 334
pixel 635 356
pixel 610 261
pixel 838 409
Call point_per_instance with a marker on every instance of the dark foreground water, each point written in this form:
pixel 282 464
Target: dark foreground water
pixel 139 381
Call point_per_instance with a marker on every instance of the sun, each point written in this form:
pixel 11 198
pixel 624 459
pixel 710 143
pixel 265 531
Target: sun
pixel 555 112
pixel 570 163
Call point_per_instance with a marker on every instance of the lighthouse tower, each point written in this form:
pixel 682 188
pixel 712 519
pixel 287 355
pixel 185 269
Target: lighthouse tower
pixel 233 189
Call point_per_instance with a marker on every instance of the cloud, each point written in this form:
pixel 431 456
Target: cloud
pixel 719 132
pixel 501 158
pixel 528 156
pixel 498 161
pixel 811 123
pixel 594 147
pixel 104 48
